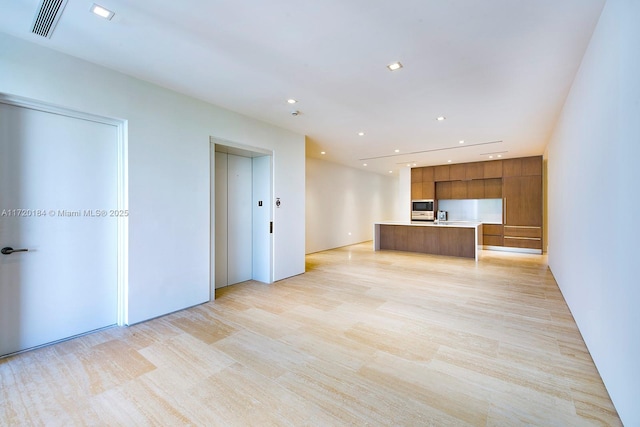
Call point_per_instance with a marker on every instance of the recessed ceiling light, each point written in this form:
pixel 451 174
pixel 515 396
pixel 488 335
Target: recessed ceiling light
pixel 323 152
pixel 441 118
pixel 397 151
pixel 491 157
pixel 291 101
pixel 414 164
pixel 408 164
pixel 461 142
pixel 448 161
pixel 364 164
pixel 390 171
pixel 102 12
pixel 360 133
pixel 394 66
pixel 499 155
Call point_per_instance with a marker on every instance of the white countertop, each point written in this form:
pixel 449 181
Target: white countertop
pixel 458 224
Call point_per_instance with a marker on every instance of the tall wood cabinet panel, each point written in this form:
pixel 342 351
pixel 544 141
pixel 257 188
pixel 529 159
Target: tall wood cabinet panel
pixel 522 202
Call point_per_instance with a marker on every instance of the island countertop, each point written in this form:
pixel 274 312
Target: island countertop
pixel 449 238
pixel 459 224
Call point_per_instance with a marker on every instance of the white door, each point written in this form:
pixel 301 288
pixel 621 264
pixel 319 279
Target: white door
pixel 239 231
pixel 58 176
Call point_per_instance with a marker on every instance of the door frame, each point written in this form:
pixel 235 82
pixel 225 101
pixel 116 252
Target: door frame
pixel 235 148
pixel 122 237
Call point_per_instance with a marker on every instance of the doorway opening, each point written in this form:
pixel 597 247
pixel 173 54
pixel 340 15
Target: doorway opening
pixel 241 214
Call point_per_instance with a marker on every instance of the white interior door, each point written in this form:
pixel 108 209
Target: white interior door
pixel 58 177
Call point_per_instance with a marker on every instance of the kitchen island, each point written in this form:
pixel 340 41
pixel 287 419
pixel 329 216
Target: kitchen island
pixel 459 239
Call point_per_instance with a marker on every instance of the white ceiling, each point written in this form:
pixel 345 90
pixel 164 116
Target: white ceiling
pixel 498 70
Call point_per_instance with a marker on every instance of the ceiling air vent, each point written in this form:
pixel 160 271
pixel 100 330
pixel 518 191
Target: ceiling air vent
pixel 49 12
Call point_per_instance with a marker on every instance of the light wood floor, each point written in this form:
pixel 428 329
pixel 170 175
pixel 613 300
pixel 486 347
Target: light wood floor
pixel 363 338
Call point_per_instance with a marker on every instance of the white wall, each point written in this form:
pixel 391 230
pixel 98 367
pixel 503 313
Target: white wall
pixel 343 200
pixel 594 201
pixel 168 136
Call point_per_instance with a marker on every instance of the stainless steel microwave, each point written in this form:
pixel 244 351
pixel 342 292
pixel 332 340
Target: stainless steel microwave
pixel 422 210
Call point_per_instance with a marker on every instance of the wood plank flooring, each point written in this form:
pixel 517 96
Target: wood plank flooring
pixel 363 338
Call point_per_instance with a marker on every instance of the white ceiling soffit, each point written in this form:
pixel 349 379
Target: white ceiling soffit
pixel 498 70
pixel 47 17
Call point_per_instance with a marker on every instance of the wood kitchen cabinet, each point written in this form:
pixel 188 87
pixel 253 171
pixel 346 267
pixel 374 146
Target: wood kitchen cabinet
pixel 475 189
pixel 492 188
pixel 493 169
pixel 522 205
pixel 457 172
pixel 443 190
pixel 441 173
pixel 525 166
pixel 474 171
pixel 492 235
pixel 422 184
pixel 428 190
pixel 522 202
pixel 459 190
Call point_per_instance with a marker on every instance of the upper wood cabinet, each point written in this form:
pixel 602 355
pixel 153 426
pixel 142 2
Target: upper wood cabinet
pixel 474 170
pixel 532 166
pixel 525 166
pixel 443 190
pixel 457 172
pixel 427 174
pixel 441 173
pixel 428 190
pixel 475 189
pixel 492 188
pixel 459 190
pixel 416 190
pixel 416 175
pixel 493 169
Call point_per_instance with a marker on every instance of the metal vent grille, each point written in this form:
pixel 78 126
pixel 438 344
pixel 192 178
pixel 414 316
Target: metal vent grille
pixel 49 12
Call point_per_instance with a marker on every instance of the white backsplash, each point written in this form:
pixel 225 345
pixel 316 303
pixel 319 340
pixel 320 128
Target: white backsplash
pixel 476 210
